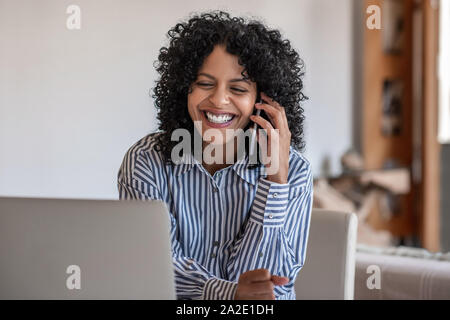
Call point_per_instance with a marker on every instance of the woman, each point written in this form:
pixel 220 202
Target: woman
pixel 238 229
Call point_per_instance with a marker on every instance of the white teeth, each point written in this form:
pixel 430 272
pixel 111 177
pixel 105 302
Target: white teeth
pixel 218 119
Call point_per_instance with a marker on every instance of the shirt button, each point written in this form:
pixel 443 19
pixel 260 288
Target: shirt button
pixel 219 174
pixel 213 255
pixel 275 195
pixel 260 254
pixel 270 216
pixel 216 243
pixel 215 189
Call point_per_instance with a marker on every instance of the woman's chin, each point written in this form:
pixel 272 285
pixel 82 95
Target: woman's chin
pixel 217 139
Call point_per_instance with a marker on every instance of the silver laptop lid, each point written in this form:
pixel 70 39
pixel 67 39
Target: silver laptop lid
pixel 84 249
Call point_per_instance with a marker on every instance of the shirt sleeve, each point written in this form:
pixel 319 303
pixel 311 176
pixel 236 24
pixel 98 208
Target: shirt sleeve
pixel 275 237
pixel 136 181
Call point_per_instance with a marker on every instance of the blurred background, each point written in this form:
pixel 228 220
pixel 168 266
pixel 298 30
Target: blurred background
pixel 75 78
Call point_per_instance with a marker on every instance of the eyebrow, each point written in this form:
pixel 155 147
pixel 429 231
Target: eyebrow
pixel 232 80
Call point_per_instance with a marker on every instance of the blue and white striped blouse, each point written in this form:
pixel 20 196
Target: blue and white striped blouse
pixel 226 224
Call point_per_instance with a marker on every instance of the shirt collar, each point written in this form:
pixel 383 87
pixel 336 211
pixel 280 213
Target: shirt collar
pixel 249 175
pixel 240 167
pixel 186 163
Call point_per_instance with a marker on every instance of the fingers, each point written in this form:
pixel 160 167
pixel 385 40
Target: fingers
pixel 255 276
pixel 262 122
pixel 274 110
pixel 275 116
pixel 271 101
pixel 259 288
pixel 279 281
pixel 258 285
pixel 261 275
pixel 256 291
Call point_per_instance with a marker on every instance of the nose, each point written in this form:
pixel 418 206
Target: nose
pixel 219 96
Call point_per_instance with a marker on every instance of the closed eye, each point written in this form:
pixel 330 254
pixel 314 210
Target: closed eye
pixel 204 84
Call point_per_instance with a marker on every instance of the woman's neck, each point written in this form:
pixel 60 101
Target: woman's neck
pixel 223 162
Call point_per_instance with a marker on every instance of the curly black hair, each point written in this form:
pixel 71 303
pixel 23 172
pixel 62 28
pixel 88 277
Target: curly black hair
pixel 269 60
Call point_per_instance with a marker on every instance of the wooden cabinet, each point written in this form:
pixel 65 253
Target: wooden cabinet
pixel 383 71
pixel 415 145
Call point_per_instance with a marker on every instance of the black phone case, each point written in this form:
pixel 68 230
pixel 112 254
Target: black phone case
pixel 262 114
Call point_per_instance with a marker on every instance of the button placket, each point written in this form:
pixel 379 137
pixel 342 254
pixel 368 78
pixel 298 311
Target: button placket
pixel 217 180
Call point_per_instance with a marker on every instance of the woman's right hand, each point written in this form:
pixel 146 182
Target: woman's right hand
pixel 258 285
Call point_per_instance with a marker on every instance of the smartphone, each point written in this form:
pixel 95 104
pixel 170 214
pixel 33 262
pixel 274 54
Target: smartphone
pixel 261 112
pixel 257 112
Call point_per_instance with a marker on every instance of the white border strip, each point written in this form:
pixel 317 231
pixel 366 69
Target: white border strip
pixel 444 72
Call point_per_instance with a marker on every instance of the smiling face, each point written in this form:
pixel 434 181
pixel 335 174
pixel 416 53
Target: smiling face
pixel 221 98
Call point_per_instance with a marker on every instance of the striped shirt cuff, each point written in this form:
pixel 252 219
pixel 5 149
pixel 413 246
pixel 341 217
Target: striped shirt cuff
pixel 270 203
pixel 218 289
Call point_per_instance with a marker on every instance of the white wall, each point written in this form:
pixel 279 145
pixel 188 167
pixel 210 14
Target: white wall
pixel 72 102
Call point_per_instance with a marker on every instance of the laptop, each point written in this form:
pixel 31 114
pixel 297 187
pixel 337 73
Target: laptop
pixel 85 249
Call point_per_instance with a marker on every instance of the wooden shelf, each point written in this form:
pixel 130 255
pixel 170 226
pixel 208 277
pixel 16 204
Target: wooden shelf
pixel 378 148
